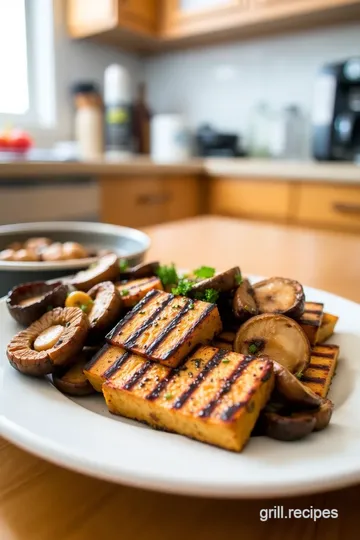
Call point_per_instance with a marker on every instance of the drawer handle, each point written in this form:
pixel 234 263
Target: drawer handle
pixel 347 208
pixel 160 198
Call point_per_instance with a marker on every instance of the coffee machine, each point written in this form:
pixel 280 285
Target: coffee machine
pixel 336 112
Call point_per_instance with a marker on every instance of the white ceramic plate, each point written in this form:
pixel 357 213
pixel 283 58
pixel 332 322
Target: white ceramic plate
pixel 80 434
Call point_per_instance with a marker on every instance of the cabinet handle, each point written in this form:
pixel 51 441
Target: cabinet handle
pixel 160 198
pixel 347 208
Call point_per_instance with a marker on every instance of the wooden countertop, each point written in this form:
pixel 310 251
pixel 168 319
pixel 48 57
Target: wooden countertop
pixel 39 501
pixel 239 167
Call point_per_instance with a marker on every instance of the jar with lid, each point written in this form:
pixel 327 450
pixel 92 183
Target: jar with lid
pixel 88 121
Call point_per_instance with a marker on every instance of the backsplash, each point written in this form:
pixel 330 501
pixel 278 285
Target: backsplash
pixel 223 84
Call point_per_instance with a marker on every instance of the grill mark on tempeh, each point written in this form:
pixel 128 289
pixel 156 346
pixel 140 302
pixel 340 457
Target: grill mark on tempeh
pixel 231 411
pixel 319 380
pixel 139 306
pixel 308 322
pixel 137 376
pixel 169 328
pixel 96 357
pixel 120 361
pixel 323 367
pixel 208 410
pixel 138 285
pixel 200 319
pixel 131 341
pixel 210 365
pixel 161 386
pixel 323 355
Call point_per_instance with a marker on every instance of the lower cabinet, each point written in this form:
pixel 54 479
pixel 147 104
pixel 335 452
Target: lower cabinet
pixel 250 198
pixel 139 201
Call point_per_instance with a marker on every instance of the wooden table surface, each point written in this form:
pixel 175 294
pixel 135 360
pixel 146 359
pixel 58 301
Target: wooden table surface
pixel 39 501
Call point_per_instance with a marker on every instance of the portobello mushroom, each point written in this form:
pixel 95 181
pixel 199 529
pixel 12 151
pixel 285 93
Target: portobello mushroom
pixel 106 269
pixel 28 302
pixel 291 388
pixel 288 428
pixel 54 340
pixel 142 270
pixel 106 308
pixel 221 282
pixel 322 415
pixel 276 336
pixel 280 295
pixel 71 380
pixel 244 305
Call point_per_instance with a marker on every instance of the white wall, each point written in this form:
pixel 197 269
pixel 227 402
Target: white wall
pixel 221 84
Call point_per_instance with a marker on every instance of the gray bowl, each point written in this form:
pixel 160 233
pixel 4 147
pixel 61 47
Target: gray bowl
pixel 129 244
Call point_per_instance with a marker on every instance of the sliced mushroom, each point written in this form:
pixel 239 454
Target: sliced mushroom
pixel 280 295
pixel 70 325
pixel 106 269
pixel 276 336
pixel 72 380
pixel 142 270
pixel 73 250
pixel 244 305
pixel 322 415
pixel 288 428
pixel 7 254
pixel 28 302
pixel 292 389
pixel 37 243
pixel 106 308
pixel 221 282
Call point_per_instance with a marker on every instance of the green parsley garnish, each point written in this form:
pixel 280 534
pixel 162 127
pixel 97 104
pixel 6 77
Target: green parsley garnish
pixel 168 274
pixel 168 396
pixel 298 375
pixel 253 349
pixel 84 307
pixel 49 308
pixel 239 279
pixel 211 295
pixel 183 288
pixel 191 305
pixel 204 272
pixel 225 361
pixel 124 265
pixel 124 292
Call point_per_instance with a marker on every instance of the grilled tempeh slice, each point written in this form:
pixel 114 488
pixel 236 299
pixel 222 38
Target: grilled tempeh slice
pixel 104 364
pixel 134 291
pixel 311 320
pixel 165 328
pixel 319 373
pixel 327 327
pixel 216 397
pixel 225 340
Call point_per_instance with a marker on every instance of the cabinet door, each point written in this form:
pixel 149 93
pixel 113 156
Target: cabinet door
pixel 187 17
pixel 139 15
pixel 86 17
pixel 182 194
pixel 254 199
pixel 132 201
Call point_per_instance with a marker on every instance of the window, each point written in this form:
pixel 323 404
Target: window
pixel 27 94
pixel 14 88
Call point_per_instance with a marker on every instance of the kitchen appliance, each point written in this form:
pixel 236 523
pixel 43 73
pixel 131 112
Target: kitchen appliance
pixel 211 143
pixel 169 138
pixel 336 112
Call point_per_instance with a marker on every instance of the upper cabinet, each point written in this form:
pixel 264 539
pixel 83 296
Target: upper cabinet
pixel 183 17
pixel 131 22
pixel 161 24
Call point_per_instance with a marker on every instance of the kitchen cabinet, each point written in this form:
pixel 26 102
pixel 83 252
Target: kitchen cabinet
pixel 148 200
pixel 111 17
pixel 250 198
pixel 332 206
pixel 184 17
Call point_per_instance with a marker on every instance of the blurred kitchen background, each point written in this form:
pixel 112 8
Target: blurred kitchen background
pixel 135 112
